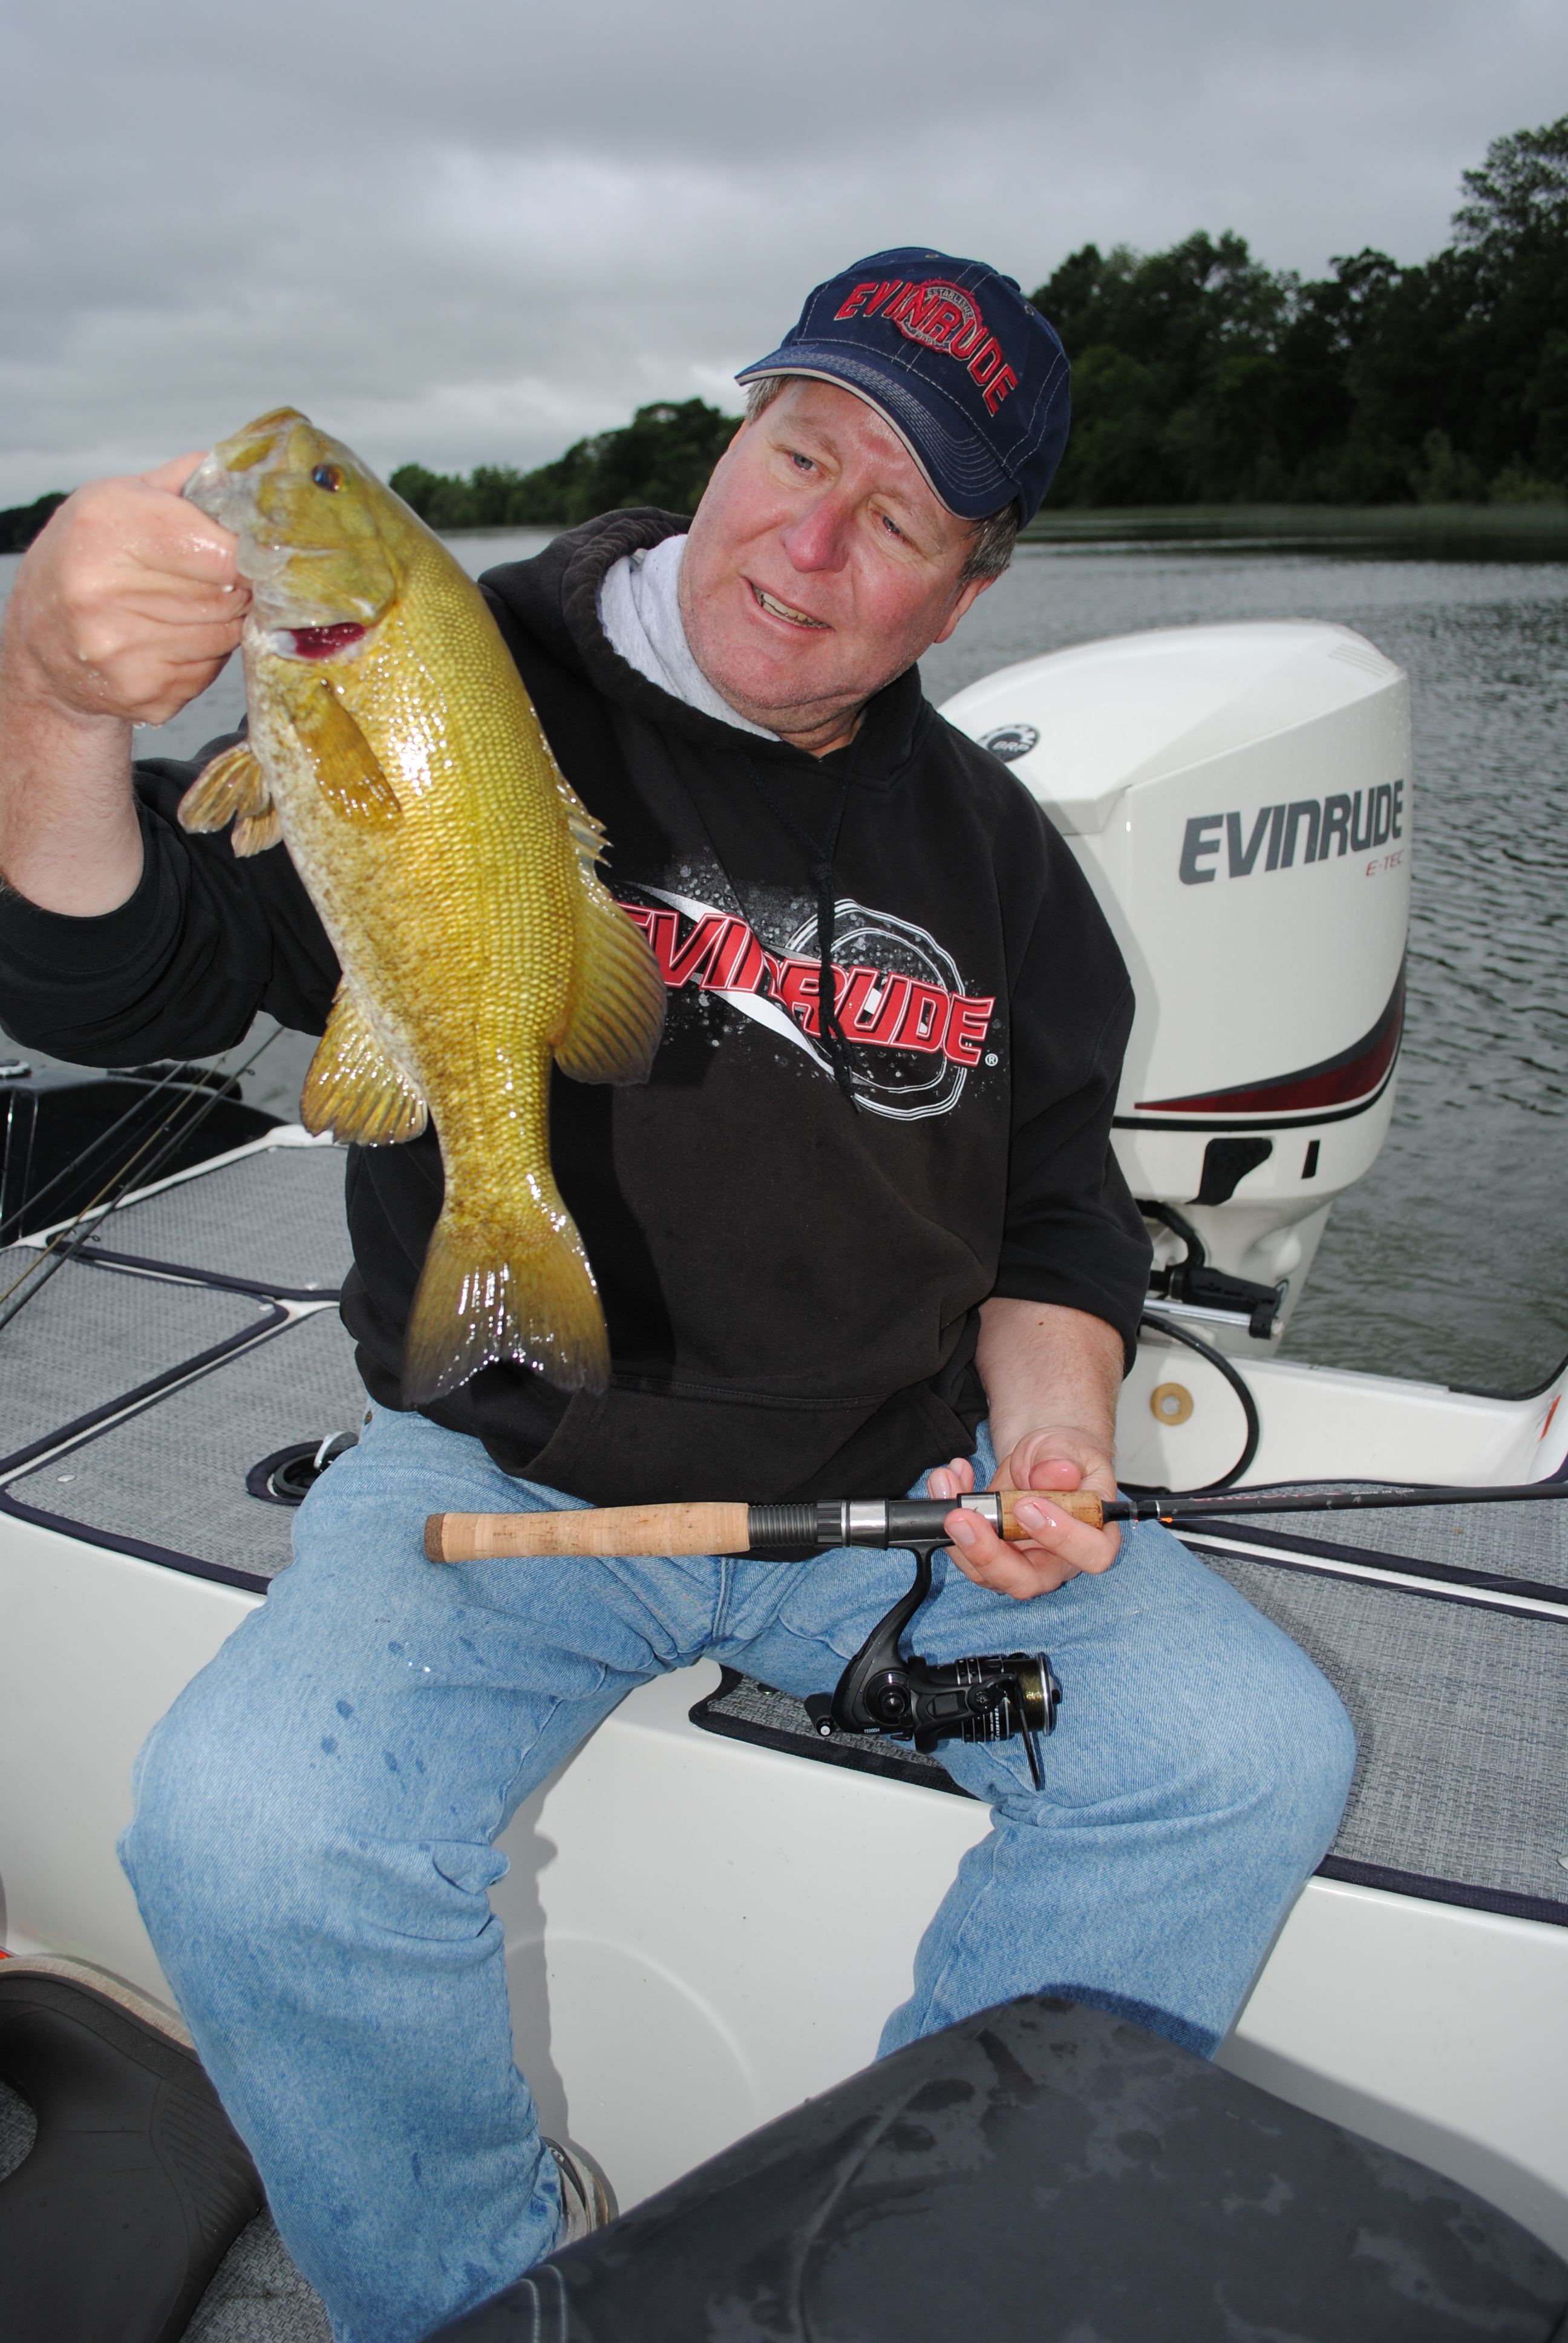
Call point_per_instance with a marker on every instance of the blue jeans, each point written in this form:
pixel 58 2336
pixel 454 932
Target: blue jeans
pixel 312 1846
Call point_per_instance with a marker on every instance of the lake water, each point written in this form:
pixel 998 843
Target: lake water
pixel 1450 1261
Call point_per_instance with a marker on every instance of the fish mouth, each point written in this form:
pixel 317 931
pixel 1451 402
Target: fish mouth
pixel 315 591
pixel 323 642
pixel 785 611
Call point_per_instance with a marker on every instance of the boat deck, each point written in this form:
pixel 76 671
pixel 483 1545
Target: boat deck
pixel 196 1338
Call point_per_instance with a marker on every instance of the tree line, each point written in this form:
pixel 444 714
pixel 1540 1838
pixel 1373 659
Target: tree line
pixel 1201 377
pixel 662 457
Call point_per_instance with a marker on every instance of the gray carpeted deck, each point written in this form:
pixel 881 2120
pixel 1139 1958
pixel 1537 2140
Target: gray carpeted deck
pixel 257 2295
pixel 275 1218
pixel 173 1476
pixel 1461 1713
pixel 93 1334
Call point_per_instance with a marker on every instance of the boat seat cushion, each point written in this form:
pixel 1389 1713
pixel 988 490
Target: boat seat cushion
pixel 136 2184
pixel 1045 2173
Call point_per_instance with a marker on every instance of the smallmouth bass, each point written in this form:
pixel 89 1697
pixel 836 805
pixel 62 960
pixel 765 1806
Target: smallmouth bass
pixel 394 749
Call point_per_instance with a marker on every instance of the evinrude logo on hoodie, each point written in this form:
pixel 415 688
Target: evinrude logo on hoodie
pixel 913 1030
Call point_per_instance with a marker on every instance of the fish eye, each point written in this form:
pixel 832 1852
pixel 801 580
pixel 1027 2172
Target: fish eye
pixel 327 476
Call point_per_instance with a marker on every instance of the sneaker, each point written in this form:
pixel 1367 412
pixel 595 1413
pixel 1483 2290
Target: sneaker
pixel 588 2200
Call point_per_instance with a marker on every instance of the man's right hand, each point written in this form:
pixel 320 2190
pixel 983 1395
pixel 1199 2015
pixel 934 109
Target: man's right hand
pixel 128 604
pixel 124 609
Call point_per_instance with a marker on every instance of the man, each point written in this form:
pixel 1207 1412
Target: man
pixel 863 1216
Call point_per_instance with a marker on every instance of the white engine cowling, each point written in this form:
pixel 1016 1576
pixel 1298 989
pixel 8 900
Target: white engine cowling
pixel 1239 798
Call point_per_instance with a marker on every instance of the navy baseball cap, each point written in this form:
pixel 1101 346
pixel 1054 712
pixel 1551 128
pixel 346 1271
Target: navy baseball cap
pixel 967 372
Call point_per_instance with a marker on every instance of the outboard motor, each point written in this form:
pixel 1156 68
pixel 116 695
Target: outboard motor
pixel 1239 800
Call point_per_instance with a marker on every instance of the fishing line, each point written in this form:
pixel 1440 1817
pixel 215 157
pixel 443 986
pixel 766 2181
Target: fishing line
pixel 27 1209
pixel 69 1240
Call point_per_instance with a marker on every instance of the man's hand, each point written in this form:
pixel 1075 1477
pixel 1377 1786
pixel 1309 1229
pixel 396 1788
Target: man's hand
pixel 128 603
pixel 1051 1376
pixel 1057 1457
pixel 124 609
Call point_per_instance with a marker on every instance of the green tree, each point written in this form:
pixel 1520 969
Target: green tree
pixel 1176 372
pixel 1199 375
pixel 663 457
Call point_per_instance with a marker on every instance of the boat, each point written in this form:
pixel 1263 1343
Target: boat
pixel 1240 796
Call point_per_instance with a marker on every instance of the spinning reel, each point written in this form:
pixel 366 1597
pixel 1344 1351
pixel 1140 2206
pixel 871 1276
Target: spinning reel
pixel 998 1696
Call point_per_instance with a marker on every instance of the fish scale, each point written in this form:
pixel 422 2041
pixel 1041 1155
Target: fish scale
pixel 393 747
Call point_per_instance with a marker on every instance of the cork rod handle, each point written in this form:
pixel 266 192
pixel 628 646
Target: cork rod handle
pixel 659 1529
pixel 1084 1505
pixel 606 1529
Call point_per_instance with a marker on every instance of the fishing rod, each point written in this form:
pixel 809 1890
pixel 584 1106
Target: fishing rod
pixel 995 1697
pixel 67 1241
pixel 829 1523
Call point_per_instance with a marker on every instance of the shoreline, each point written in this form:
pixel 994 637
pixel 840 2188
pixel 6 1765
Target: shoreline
pixel 1541 528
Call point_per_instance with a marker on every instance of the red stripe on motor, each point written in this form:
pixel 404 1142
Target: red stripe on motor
pixel 1337 1081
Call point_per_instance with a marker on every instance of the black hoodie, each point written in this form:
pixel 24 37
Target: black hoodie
pixel 791 1283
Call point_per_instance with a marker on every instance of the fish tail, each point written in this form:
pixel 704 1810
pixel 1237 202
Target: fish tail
pixel 524 1293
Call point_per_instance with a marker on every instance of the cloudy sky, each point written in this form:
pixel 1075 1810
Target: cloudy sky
pixel 473 231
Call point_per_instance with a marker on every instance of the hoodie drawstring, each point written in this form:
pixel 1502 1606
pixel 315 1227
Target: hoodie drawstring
pixel 820 855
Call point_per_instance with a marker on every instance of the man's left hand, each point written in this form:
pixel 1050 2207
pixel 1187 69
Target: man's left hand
pixel 1058 1456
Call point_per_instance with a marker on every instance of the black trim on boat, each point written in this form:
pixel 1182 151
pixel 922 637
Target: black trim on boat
pixel 1352 1576
pixel 1502 1900
pixel 1369 1558
pixel 189 1275
pixel 189 1566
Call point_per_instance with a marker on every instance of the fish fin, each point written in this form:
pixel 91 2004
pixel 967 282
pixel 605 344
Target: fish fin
pixel 347 769
pixel 234 783
pixel 614 1014
pixel 525 1293
pixel 353 1088
pixel 587 831
pixel 255 832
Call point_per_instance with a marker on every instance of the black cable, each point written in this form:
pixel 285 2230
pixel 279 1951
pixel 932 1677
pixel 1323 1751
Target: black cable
pixel 1248 1405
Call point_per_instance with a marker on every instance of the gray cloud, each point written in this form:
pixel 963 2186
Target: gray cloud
pixel 478 232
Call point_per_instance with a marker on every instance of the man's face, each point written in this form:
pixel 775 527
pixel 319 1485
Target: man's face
pixel 819 565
